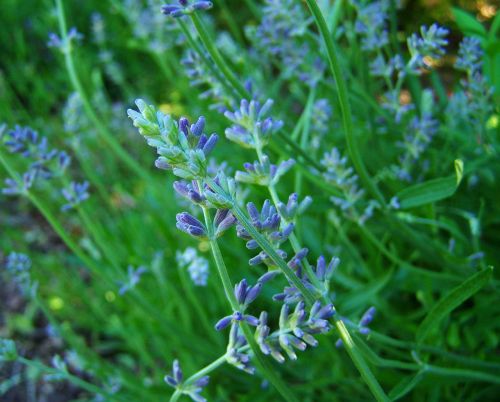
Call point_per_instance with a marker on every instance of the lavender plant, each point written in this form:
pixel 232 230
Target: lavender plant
pixel 309 232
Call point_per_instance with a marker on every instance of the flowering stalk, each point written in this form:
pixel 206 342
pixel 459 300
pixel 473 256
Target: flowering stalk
pixel 261 362
pixel 344 102
pixel 258 137
pixel 75 81
pixel 263 243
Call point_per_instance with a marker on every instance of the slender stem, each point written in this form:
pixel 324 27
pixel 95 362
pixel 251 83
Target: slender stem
pixel 344 102
pixel 207 369
pixel 89 109
pixel 217 57
pixel 359 362
pixel 219 262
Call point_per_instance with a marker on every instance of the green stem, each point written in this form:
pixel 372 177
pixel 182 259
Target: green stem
pixel 359 362
pixel 89 109
pixel 344 102
pixel 217 57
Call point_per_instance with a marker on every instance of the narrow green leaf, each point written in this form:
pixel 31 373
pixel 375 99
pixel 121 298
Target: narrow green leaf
pixel 468 24
pixel 432 190
pixel 451 301
pixel 406 385
pixel 495 26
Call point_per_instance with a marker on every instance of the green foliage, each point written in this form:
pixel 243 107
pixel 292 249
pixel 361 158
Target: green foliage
pixel 110 282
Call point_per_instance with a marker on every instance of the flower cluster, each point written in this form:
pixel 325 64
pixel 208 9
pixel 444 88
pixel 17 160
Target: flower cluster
pixel 251 128
pixel 263 173
pixel 197 266
pixel 133 278
pixel 371 24
pixel 75 194
pixel 244 295
pixel 179 146
pixel 281 38
pixel 322 273
pixel 470 56
pixel 64 45
pixel 473 105
pixel 296 330
pixel 44 162
pixel 191 389
pixel 182 147
pixel 320 122
pixel 293 207
pixel 415 141
pixel 268 223
pixel 430 43
pixel 343 177
pixel 18 267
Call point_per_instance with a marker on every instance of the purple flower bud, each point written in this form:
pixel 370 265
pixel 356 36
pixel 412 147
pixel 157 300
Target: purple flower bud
pixel 223 323
pixel 210 144
pixel 364 330
pixel 315 308
pixel 202 5
pixel 183 125
pixel 321 268
pixel 202 382
pixel 268 276
pixel 197 128
pixel 253 212
pixel 177 372
pixel 188 219
pixel 190 225
pixel 258 259
pixel 368 317
pixel 240 291
pixel 253 321
pixel 170 381
pixel 252 293
pixel 252 244
pixel 161 163
pixel 326 312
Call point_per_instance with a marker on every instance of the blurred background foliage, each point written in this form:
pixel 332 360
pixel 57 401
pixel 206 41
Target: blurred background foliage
pixel 138 218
